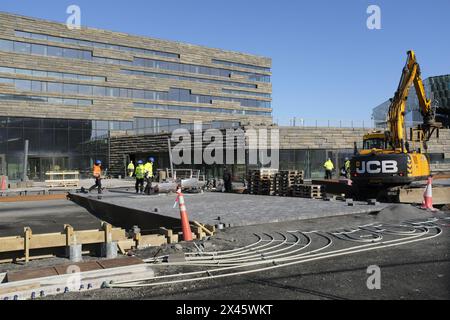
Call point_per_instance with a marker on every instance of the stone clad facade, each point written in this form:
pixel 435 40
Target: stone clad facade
pixel 66 90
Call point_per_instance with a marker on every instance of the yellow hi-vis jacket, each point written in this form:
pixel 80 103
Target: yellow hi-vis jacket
pixel 149 169
pixel 329 165
pixel 347 165
pixel 131 166
pixel 140 172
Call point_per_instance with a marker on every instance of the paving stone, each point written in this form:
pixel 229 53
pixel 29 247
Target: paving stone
pixel 240 210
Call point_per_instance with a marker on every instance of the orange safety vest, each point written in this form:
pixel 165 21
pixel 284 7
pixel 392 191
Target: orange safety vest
pixel 97 171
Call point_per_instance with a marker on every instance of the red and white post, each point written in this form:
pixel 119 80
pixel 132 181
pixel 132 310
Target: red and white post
pixel 185 226
pixel 427 203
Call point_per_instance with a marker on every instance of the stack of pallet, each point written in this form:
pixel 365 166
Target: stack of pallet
pixel 261 181
pixel 308 191
pixel 285 180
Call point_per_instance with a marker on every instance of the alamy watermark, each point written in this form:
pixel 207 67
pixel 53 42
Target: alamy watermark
pixel 374 20
pixel 73 22
pixel 258 147
pixel 73 282
pixel 374 280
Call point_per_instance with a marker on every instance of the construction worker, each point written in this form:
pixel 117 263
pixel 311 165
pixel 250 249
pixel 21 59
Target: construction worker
pixel 140 175
pixel 97 173
pixel 131 168
pixel 227 180
pixel 347 168
pixel 149 175
pixel 329 167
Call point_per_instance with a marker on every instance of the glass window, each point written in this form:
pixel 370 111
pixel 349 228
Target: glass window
pixel 6 80
pixel 39 49
pixel 99 91
pixel 85 90
pixel 138 94
pixel 55 51
pixel 22 47
pixel 23 85
pixel 71 102
pixel 70 88
pixel 56 75
pixel 150 95
pixel 23 34
pixel 87 55
pixel 6 45
pixel 39 36
pixel 84 102
pixel 70 76
pixel 36 86
pixel 55 100
pixel 24 71
pixel 6 70
pixel 55 87
pixel 38 73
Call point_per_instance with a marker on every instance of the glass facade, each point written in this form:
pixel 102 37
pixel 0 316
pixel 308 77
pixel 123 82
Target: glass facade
pixel 186 78
pixel 54 51
pixel 61 144
pixel 93 44
pixel 174 94
pixel 199 109
pixel 311 161
pixel 54 144
pixel 240 65
pixel 49 100
pixel 436 88
pixel 51 74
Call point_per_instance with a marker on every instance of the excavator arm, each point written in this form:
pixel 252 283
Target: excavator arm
pixel 396 134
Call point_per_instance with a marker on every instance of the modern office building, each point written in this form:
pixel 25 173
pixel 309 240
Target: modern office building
pixel 66 91
pixel 437 89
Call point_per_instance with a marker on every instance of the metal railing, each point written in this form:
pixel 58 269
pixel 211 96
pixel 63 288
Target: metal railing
pixel 326 123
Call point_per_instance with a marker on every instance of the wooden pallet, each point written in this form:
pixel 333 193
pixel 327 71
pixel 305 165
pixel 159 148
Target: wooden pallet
pixel 285 180
pixel 308 191
pixel 261 181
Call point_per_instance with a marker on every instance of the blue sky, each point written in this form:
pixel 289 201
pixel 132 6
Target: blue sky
pixel 326 63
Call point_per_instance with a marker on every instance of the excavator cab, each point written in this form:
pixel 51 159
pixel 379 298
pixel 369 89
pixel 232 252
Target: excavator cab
pixel 373 142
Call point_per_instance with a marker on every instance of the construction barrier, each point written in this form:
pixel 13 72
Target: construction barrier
pixel 185 226
pixel 428 196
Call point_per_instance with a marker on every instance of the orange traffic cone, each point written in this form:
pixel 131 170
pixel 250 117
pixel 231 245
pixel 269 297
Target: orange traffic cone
pixel 428 196
pixel 185 227
pixel 4 184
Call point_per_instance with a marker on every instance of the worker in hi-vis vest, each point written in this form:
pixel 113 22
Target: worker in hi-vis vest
pixel 139 173
pixel 347 167
pixel 97 173
pixel 149 175
pixel 131 169
pixel 329 167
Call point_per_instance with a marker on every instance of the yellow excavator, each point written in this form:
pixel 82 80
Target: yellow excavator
pixel 388 158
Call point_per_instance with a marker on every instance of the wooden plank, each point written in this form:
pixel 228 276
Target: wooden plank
pixel 51 240
pixel 11 244
pixel 31 274
pixel 46 197
pixel 121 262
pixel 153 240
pixel 82 266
